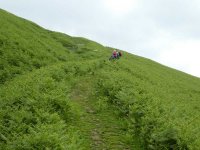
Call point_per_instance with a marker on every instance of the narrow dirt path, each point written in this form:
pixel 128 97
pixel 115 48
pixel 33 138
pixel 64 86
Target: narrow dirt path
pixel 101 129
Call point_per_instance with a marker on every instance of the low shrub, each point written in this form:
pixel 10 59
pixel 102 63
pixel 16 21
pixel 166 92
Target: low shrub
pixel 34 112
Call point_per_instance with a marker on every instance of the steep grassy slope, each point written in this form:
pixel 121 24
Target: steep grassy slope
pixel 25 46
pixel 161 104
pixel 61 92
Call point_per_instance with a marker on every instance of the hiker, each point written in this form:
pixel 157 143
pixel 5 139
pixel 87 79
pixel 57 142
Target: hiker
pixel 119 54
pixel 114 54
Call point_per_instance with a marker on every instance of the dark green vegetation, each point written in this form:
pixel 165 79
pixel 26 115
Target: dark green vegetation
pixel 61 92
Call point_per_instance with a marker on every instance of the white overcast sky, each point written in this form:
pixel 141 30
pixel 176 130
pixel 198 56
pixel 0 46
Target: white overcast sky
pixel 167 31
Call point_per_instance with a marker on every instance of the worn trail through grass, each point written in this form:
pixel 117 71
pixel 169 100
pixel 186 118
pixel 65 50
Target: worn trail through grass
pixel 101 128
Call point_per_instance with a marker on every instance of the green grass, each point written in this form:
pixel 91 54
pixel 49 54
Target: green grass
pixel 61 92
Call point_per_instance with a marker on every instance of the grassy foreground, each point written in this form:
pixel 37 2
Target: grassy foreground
pixel 61 92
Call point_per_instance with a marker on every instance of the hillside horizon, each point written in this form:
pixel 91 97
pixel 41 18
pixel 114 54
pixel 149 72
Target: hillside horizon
pixel 128 51
pixel 63 92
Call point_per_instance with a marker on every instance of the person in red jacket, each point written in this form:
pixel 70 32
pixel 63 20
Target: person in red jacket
pixel 114 54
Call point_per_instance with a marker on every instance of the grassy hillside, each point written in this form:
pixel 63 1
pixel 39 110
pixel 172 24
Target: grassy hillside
pixel 25 46
pixel 61 92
